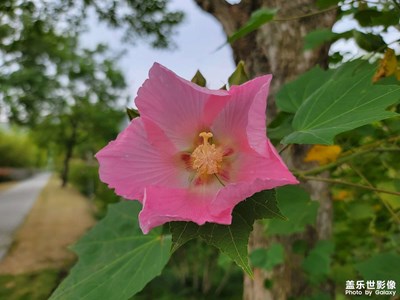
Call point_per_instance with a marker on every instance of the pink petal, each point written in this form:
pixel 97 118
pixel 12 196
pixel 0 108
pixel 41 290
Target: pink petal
pixel 162 205
pixel 254 173
pixel 179 107
pixel 243 119
pixel 131 162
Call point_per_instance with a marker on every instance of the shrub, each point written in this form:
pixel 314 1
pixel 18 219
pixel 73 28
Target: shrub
pixel 17 150
pixel 85 178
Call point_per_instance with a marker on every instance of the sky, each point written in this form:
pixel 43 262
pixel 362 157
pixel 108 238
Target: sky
pixel 197 38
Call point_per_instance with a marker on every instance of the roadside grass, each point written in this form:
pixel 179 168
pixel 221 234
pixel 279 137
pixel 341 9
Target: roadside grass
pixel 39 258
pixel 32 286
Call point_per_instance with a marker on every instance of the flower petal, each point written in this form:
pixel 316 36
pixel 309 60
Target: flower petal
pixel 243 118
pixel 177 106
pixel 131 162
pixel 162 205
pixel 254 173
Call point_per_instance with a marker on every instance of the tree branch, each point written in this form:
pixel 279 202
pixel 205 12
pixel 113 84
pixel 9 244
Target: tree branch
pixel 394 215
pixel 336 181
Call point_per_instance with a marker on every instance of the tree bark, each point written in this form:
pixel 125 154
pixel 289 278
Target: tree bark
pixel 69 147
pixel 277 48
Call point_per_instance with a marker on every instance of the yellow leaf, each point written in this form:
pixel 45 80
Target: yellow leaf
pixel 387 66
pixel 397 73
pixel 342 195
pixel 323 154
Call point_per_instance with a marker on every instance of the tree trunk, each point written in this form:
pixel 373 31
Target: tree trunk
pixel 277 48
pixel 69 147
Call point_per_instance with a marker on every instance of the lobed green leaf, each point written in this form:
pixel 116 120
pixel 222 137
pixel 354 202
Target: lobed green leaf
pixel 297 207
pixel 115 259
pixel 328 103
pixel 232 239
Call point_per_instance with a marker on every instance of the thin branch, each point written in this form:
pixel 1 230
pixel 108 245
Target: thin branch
pixel 394 215
pixel 397 4
pixel 348 155
pixel 336 181
pixel 306 15
pixel 284 148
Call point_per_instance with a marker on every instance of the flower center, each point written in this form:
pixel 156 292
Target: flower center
pixel 206 158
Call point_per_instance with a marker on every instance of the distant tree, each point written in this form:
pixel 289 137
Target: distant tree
pixel 35 37
pixel 89 115
pixel 66 94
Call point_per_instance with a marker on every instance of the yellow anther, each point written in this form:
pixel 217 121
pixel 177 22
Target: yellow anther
pixel 206 158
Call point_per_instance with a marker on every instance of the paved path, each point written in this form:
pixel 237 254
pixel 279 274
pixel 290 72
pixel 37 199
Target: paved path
pixel 15 203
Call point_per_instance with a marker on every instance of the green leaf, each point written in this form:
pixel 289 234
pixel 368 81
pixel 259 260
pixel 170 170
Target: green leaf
pixel 372 17
pixel 257 19
pixel 392 200
pixel 290 97
pixel 317 263
pixel 383 266
pixel 335 102
pixel 317 37
pixel 239 76
pixel 297 207
pixel 281 126
pixel 327 3
pixel 132 113
pixel 369 42
pixel 182 232
pixel 115 259
pixel 199 79
pixel 359 210
pixel 231 239
pixel 268 258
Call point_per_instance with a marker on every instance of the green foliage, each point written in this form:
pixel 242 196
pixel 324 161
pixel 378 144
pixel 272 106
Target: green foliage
pixel 318 37
pixel 292 95
pixel 199 272
pixel 230 239
pixel 317 263
pixel 85 177
pixel 115 259
pixel 280 127
pixel 257 19
pixel 296 205
pixel 359 210
pixel 239 76
pixel 32 286
pixel 18 149
pixel 373 17
pixel 383 266
pixel 336 101
pixel 369 42
pixel 132 113
pixel 199 79
pixel 326 3
pixel 268 258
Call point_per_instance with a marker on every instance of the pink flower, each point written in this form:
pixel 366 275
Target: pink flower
pixel 193 153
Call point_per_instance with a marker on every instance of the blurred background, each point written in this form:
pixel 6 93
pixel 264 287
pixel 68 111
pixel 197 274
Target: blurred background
pixel 69 69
